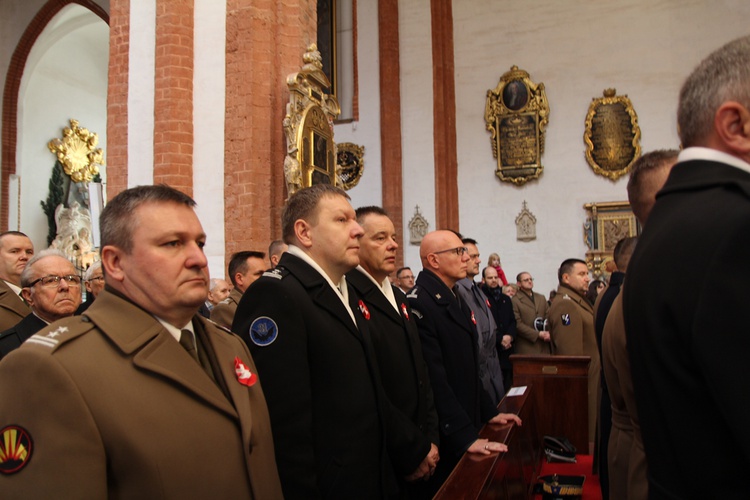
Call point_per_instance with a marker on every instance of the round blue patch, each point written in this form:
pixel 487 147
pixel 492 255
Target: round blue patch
pixel 263 331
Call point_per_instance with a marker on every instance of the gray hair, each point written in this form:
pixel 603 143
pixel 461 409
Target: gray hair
pixel 27 275
pixel 91 270
pixel 722 76
pixel 304 205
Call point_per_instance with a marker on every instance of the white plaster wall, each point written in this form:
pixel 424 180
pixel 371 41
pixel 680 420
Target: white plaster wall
pixel 65 77
pixel 578 48
pixel 366 131
pixel 141 74
pixel 208 118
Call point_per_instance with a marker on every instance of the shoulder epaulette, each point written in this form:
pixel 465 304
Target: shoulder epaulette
pixel 277 272
pixel 61 332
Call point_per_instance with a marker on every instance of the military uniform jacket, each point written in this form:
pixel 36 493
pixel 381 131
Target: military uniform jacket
pixel 320 384
pixel 398 351
pixel 687 335
pixel 571 319
pixel 526 311
pixel 449 344
pixel 223 313
pixel 627 460
pixel 116 408
pixel 12 308
pixel 13 337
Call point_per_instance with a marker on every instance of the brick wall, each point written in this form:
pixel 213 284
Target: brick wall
pixel 117 97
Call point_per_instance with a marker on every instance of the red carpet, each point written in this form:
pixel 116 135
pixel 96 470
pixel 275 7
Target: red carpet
pixel 582 467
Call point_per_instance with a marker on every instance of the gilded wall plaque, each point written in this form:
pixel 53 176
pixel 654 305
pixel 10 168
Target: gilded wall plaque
pixel 612 135
pixel 350 163
pixel 516 114
pixel 308 126
pixel 606 224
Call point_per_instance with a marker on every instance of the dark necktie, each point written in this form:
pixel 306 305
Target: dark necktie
pixel 188 342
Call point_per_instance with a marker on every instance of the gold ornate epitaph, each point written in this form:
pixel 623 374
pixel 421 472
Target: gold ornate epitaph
pixel 612 135
pixel 77 152
pixel 516 114
pixel 350 163
pixel 308 126
pixel 606 224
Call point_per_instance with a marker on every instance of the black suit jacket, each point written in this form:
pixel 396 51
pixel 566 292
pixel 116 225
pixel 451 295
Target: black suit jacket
pixel 685 302
pixel 13 337
pixel 449 344
pixel 320 385
pixel 502 309
pixel 398 352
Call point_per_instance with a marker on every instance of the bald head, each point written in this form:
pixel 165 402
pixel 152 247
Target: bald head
pixel 443 253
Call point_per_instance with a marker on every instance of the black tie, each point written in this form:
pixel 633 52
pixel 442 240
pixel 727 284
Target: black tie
pixel 188 342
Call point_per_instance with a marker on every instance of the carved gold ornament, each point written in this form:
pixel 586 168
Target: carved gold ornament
pixel 612 135
pixel 606 224
pixel 350 163
pixel 516 114
pixel 77 152
pixel 308 126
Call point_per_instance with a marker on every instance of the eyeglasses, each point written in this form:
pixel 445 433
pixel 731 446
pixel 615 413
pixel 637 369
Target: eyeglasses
pixel 96 278
pixel 53 281
pixel 458 251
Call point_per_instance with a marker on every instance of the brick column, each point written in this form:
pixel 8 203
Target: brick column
pixel 173 95
pixel 446 159
pixel 265 42
pixel 390 115
pixel 117 97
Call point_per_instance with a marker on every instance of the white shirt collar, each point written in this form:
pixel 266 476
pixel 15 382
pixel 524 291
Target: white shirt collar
pixel 177 332
pixel 384 287
pixel 342 291
pixel 17 289
pixel 699 153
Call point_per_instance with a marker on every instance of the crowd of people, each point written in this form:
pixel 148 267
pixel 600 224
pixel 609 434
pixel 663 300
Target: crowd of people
pixel 323 370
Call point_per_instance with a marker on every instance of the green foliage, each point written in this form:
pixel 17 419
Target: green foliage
pixel 54 198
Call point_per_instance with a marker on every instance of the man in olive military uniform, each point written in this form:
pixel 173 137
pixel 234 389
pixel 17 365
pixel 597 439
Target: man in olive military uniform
pixel 140 397
pixel 571 318
pixel 15 251
pixel 531 311
pixel 244 268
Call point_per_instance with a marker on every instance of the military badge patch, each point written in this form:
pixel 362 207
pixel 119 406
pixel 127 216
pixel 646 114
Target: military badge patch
pixel 244 375
pixel 263 331
pixel 565 319
pixel 15 449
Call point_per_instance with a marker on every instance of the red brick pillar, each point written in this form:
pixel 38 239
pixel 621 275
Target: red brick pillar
pixel 117 97
pixel 444 130
pixel 265 42
pixel 173 95
pixel 390 115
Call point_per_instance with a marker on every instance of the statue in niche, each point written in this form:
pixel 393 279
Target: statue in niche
pixel 418 227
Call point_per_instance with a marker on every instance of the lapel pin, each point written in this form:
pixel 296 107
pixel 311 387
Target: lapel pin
pixel 244 375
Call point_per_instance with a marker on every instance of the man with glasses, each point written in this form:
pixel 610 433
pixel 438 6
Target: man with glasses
pixel 93 279
pixel 405 280
pixel 447 328
pixel 52 289
pixel 530 309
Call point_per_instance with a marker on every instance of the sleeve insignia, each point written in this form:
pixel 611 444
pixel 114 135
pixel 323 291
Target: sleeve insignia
pixel 565 319
pixel 15 449
pixel 263 331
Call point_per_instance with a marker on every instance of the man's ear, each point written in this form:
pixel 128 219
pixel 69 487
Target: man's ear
pixel 732 126
pixel 303 232
pixel 112 262
pixel 26 294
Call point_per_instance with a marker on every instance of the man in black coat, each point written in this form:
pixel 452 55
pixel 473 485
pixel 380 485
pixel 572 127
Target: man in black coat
pixel 685 298
pixel 307 331
pixel 450 344
pixel 50 297
pixel 395 338
pixel 502 310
